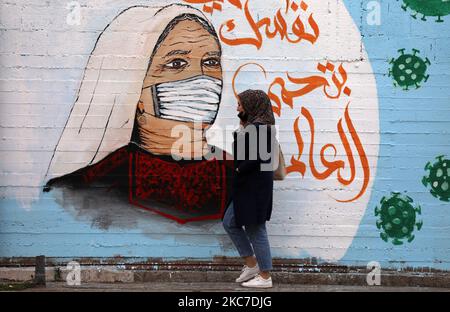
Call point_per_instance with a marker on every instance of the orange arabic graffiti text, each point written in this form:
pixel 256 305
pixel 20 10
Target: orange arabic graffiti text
pixel 310 84
pixel 299 166
pixel 280 27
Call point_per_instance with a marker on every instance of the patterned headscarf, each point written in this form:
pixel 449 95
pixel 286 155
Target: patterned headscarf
pixel 257 105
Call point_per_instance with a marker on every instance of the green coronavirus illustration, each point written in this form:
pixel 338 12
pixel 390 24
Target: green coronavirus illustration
pixel 409 69
pixel 397 218
pixel 426 8
pixel 438 178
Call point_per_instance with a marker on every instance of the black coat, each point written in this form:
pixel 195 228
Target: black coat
pixel 252 187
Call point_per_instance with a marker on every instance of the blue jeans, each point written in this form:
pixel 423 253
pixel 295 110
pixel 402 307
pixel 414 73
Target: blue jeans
pixel 250 241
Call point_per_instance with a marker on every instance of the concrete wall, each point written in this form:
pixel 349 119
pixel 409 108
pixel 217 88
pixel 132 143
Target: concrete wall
pixel 378 127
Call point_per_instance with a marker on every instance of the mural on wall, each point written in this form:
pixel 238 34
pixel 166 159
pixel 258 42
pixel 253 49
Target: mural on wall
pixel 153 69
pixel 331 79
pixel 397 215
pixel 359 89
pixel 145 77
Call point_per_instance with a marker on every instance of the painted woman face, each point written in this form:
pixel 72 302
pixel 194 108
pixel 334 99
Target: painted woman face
pixel 188 51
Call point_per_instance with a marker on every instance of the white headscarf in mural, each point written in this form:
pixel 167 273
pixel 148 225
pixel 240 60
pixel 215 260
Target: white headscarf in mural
pixel 102 118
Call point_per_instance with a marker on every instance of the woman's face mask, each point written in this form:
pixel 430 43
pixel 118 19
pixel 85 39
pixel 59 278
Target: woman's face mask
pixel 194 99
pixel 243 116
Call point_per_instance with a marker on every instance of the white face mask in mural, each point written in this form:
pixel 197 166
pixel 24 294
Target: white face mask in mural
pixel 194 99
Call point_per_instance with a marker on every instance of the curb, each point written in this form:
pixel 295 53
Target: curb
pixel 113 274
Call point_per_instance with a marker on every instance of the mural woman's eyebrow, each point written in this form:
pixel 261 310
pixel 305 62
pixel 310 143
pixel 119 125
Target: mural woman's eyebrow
pixel 177 52
pixel 213 53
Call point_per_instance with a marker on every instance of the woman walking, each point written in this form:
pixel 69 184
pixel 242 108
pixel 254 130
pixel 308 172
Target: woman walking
pixel 251 205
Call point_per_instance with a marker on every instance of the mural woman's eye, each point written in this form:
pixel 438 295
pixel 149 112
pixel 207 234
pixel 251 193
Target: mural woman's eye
pixel 211 62
pixel 176 64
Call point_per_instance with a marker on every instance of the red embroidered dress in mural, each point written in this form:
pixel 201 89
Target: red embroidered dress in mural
pixel 184 190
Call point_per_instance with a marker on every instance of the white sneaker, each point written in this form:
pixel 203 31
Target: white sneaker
pixel 259 282
pixel 247 273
